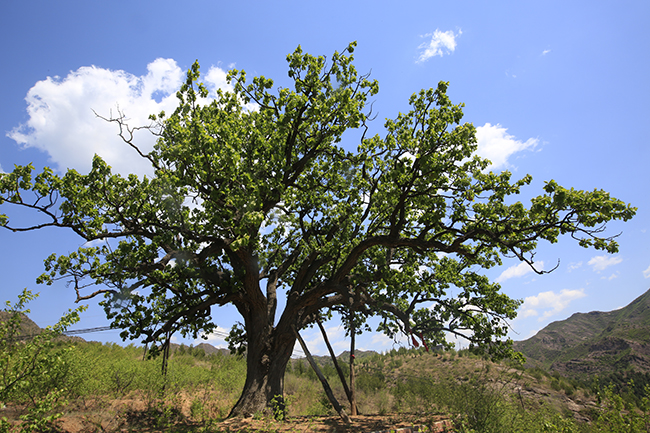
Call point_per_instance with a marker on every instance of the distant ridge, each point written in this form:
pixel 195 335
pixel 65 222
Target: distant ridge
pixel 29 329
pixel 27 325
pixel 211 350
pixel 594 343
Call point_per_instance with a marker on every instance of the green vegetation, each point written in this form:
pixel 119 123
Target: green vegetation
pixel 115 388
pixel 36 373
pixel 107 387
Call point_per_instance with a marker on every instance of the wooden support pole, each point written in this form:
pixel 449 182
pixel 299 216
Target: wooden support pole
pixel 330 395
pixel 339 370
pixel 353 398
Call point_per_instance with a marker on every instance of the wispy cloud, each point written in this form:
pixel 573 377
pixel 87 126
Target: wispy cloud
pixel 495 144
pixel 574 265
pixel 314 341
pixel 62 123
pixel 336 336
pixel 545 52
pixel 600 263
pixel 518 271
pixel 550 303
pixel 440 43
pixel 646 273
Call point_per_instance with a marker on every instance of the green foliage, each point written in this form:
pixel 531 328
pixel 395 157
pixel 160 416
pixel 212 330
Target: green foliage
pixel 35 371
pixel 396 363
pixel 537 373
pixel 279 407
pixel 416 395
pixel 321 406
pixel 371 381
pixel 617 416
pixel 300 367
pixel 236 339
pixel 42 413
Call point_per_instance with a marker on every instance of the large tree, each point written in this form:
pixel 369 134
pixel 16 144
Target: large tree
pixel 254 198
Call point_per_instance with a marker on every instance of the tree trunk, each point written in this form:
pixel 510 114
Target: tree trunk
pixel 268 352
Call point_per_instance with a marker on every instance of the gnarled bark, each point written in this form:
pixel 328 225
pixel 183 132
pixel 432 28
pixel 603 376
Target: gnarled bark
pixel 269 351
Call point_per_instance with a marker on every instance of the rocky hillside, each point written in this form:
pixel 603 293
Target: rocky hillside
pixel 596 342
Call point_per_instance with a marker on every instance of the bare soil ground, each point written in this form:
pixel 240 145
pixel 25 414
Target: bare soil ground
pixel 332 424
pixel 122 416
pixel 362 423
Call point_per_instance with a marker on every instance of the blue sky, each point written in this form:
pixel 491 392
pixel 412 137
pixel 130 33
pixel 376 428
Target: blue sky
pixel 557 89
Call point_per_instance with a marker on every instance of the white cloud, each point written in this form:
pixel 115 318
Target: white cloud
pixel 574 265
pixel 336 336
pixel 314 341
pixel 441 43
pixel 646 273
pixel 62 123
pixel 545 52
pixel 600 263
pixel 380 342
pixel 550 302
pixel 216 79
pixel 495 144
pixel 216 338
pixel 96 243
pixel 518 271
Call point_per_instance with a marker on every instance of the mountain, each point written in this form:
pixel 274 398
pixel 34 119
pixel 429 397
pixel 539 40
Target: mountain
pixel 211 350
pixel 594 343
pixel 29 329
pixel 27 326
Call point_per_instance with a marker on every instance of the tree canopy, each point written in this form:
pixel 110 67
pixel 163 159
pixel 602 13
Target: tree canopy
pixel 254 196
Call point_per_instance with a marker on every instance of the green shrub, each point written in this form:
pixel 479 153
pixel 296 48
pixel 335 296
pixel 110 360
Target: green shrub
pixel 416 395
pixel 555 384
pixel 34 372
pixel 567 387
pixel 615 417
pixel 371 382
pixel 537 373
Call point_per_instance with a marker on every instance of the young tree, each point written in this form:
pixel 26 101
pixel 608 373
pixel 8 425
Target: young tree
pixel 34 372
pixel 253 198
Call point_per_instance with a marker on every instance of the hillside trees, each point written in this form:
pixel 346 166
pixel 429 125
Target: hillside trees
pixel 254 198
